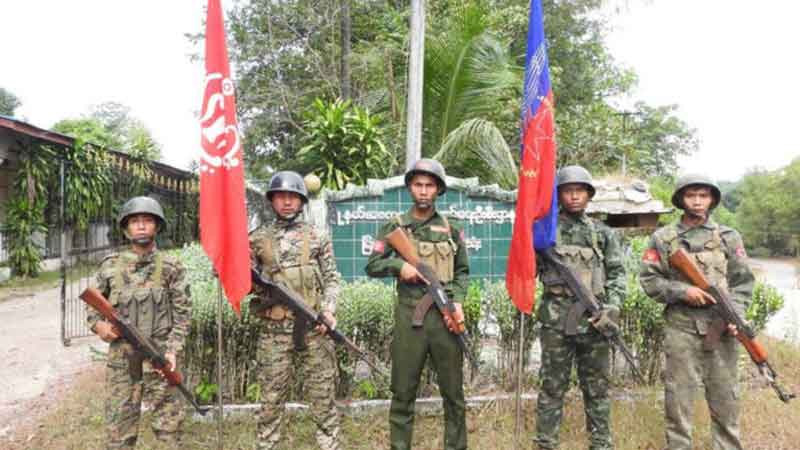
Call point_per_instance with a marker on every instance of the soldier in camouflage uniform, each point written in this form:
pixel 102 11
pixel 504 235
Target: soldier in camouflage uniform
pixel 149 289
pixel 593 251
pixel 439 243
pixel 719 253
pixel 296 254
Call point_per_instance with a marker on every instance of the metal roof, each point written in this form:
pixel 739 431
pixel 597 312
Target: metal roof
pixel 624 197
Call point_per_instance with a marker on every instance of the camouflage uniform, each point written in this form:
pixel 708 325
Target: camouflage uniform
pixel 296 254
pixel 593 250
pixel 719 253
pixel 441 245
pixel 152 293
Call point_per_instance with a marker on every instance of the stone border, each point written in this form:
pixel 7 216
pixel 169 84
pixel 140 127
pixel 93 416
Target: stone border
pixel 430 406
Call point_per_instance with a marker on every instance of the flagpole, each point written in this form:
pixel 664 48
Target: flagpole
pixel 518 400
pixel 219 365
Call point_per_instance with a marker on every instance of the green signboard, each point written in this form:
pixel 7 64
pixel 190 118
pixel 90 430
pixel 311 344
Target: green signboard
pixel 486 212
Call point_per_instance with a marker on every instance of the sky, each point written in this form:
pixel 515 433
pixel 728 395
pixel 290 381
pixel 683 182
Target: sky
pixel 729 65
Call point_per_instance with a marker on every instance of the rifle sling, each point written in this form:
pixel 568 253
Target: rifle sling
pixel 422 308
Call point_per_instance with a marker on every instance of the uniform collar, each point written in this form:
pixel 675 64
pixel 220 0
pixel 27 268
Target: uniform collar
pixel 571 219
pixel 708 225
pixel 410 219
pixel 286 224
pixel 130 255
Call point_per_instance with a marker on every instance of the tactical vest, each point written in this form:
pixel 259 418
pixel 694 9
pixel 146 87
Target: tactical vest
pixel 304 277
pixel 143 302
pixel 707 252
pixel 587 261
pixel 440 255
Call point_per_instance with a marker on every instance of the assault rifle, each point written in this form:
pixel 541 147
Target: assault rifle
pixel 140 343
pixel 436 295
pixel 681 261
pixel 280 294
pixel 588 303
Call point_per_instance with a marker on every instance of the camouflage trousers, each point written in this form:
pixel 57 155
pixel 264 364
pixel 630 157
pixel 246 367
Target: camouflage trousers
pixel 590 353
pixel 129 379
pixel 688 369
pixel 278 366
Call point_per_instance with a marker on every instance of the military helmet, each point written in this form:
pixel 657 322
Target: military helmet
pixel 142 205
pixel 287 181
pixel 430 167
pixel 695 180
pixel 576 174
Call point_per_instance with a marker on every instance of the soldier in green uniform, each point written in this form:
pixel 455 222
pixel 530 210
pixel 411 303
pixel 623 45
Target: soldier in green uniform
pixel 719 252
pixel 439 243
pixel 295 253
pixel 148 288
pixel 593 251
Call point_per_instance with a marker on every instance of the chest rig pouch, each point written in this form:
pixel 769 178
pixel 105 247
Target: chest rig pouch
pixel 586 260
pixel 440 254
pixel 303 277
pixel 142 300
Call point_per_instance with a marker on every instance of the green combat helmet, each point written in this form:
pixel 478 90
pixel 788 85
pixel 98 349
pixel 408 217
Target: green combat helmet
pixel 287 181
pixel 142 205
pixel 430 167
pixel 695 180
pixel 576 174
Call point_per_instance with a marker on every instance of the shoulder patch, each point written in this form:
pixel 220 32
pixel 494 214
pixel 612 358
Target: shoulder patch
pixel 651 256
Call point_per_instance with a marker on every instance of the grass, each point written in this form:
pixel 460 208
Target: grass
pixel 76 422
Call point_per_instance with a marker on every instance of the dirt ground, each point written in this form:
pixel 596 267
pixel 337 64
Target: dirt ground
pixel 36 368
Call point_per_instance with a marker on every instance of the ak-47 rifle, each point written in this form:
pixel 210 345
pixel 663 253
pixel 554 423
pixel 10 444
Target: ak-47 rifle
pixel 400 242
pixel 588 303
pixel 726 314
pixel 140 343
pixel 280 294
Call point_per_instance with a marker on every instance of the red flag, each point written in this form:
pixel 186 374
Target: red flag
pixel 223 211
pixel 537 171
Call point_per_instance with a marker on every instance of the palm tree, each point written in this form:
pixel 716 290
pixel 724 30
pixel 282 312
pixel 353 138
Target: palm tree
pixel 469 77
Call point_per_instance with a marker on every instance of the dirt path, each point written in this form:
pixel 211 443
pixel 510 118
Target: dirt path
pixel 785 276
pixel 35 365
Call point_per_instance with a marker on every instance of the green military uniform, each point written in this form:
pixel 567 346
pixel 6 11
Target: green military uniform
pixel 297 255
pixel 593 250
pixel 719 253
pixel 440 244
pixel 152 293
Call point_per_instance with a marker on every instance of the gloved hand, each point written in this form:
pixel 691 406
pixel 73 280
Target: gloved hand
pixel 606 320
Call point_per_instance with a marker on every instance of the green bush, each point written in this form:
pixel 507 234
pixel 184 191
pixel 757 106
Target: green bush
pixel 767 301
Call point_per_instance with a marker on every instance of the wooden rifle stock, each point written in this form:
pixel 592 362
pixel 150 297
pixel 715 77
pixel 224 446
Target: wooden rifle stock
pixel 681 261
pixel 95 299
pixel 400 242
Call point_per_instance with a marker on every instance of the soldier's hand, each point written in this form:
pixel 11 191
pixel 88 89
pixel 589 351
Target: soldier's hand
pixel 732 329
pixel 321 328
pixel 410 274
pixel 172 360
pixel 606 320
pixel 455 321
pixel 697 297
pixel 106 331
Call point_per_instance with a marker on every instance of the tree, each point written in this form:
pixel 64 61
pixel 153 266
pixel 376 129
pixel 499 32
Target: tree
pixel 768 212
pixel 343 145
pixel 8 102
pixel 132 135
pixel 288 54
